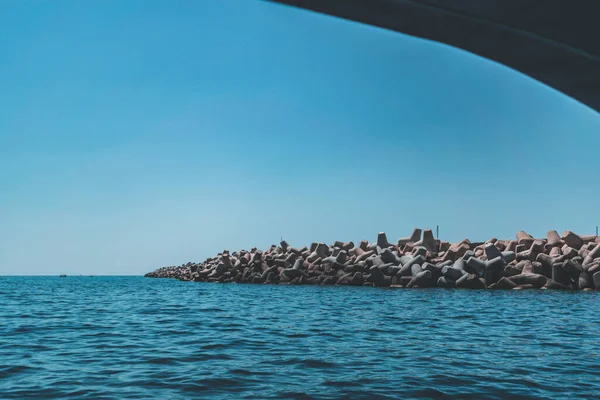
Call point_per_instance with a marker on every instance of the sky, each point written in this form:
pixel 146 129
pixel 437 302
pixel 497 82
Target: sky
pixel 136 134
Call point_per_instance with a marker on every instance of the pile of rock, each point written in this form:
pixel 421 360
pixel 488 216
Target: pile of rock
pixel 568 262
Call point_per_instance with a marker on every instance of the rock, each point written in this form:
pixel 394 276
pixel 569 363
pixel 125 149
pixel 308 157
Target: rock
pixel 389 257
pixel 492 251
pixel 404 280
pixel 378 278
pixel 572 268
pixel 415 237
pixel 505 283
pixel 422 279
pixel 572 240
pixel 293 273
pixel 468 254
pixel 546 262
pixel 584 281
pixel 347 246
pixel 553 240
pixel 445 283
pixel 596 279
pixel 476 266
pixel 524 238
pixel 534 280
pixel 415 270
pixel 406 269
pixel 559 275
pixel 569 252
pixel 456 250
pixel 328 280
pixel 536 248
pixel 344 279
pixel 510 270
pixel 428 241
pixel 592 255
pixel 538 268
pixel 364 255
pixel 553 285
pixel 528 268
pixel 374 261
pixel 508 256
pixel 470 281
pixel 460 264
pixel 511 246
pixel 420 251
pixel 453 274
pixel 444 246
pixel 357 279
pixel 493 270
pixel 592 269
pixel 436 271
pixel 298 264
pixel 382 240
pixel 523 287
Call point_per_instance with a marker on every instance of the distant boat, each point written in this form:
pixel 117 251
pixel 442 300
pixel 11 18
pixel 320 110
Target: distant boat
pixel 62 276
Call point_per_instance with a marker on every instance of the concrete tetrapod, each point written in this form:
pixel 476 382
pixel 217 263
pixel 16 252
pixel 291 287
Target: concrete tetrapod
pixel 569 262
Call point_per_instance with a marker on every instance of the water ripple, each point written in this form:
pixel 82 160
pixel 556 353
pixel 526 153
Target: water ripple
pixel 136 338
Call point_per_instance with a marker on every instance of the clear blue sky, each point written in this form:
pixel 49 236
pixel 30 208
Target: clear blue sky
pixel 141 133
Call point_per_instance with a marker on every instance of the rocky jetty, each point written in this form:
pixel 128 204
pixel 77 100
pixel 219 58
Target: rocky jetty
pixel 558 262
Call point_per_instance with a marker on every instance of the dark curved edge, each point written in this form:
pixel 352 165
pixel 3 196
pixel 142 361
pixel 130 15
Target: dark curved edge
pixel 565 60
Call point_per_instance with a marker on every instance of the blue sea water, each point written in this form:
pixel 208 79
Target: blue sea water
pixel 140 338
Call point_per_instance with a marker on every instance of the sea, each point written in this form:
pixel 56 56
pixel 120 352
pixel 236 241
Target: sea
pixel 140 338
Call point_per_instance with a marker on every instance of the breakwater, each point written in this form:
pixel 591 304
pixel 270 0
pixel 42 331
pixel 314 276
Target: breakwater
pixel 568 262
